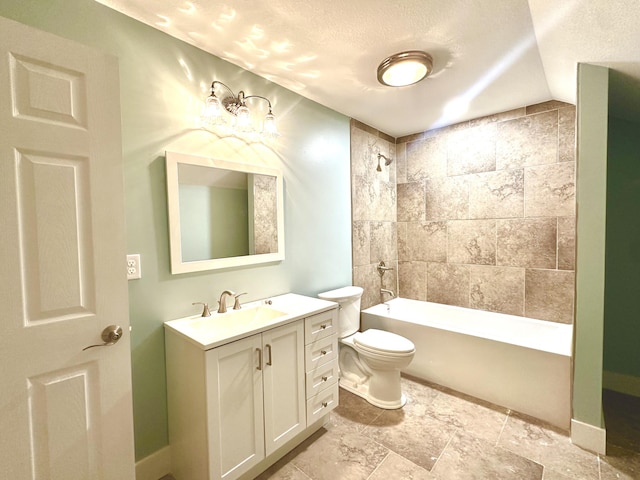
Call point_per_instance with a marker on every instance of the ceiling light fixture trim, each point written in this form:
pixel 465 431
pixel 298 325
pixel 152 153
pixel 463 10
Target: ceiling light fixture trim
pixel 405 68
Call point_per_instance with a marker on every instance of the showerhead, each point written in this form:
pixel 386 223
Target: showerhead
pixel 387 162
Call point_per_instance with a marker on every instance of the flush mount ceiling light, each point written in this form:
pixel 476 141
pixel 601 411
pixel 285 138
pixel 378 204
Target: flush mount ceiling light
pixel 405 68
pixel 230 110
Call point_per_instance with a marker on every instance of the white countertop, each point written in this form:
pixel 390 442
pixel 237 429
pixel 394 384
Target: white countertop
pixel 253 317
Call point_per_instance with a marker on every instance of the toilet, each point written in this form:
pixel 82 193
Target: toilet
pixel 369 361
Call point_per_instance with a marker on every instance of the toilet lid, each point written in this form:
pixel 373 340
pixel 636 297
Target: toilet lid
pixel 382 341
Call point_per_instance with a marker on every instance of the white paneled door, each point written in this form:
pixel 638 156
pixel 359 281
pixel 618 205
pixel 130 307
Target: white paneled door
pixel 65 412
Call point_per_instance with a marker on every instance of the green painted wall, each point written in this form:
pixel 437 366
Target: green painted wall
pixel 163 82
pixel 591 188
pixel 622 288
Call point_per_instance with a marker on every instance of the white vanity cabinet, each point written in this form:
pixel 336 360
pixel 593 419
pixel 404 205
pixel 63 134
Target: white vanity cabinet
pixel 255 398
pixel 233 405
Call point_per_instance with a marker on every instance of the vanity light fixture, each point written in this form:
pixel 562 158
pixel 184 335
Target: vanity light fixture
pixel 405 68
pixel 229 109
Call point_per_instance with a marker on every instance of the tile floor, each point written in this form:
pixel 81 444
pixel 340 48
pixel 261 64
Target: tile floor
pixel 441 434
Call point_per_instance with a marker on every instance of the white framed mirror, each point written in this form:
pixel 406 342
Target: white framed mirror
pixel 222 214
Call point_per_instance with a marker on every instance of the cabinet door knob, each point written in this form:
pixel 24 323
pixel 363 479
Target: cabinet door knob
pixel 323 326
pixel 324 379
pixel 324 404
pixel 323 352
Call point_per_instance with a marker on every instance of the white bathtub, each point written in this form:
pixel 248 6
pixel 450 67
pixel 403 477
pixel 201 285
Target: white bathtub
pixel 519 363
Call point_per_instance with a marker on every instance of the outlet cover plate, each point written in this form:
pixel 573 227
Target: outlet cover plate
pixel 134 270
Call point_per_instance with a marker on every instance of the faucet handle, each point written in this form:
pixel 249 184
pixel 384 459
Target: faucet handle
pixel 236 305
pixel 205 310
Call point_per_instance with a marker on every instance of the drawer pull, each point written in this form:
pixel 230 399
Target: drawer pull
pixel 324 404
pixel 323 326
pixel 323 352
pixel 324 379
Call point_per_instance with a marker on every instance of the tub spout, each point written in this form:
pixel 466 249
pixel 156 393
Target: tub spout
pixel 388 292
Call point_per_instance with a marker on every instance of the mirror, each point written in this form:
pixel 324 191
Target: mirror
pixel 222 214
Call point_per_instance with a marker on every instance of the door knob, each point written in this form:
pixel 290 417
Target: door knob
pixel 110 335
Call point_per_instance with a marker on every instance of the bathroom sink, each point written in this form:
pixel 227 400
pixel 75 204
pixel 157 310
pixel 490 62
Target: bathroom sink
pixel 253 318
pixel 238 318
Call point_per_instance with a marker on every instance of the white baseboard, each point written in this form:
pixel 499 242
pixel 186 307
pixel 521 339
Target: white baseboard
pixel 154 466
pixel 588 437
pixel 620 382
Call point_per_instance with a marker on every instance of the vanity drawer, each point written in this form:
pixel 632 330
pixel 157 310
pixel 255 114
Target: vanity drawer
pixel 321 351
pixel 321 377
pixel 322 403
pixel 320 325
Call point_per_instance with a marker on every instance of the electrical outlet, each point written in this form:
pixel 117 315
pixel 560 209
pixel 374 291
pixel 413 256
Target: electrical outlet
pixel 134 270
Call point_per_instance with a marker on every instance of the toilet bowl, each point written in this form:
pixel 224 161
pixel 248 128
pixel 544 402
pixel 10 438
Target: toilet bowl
pixel 369 361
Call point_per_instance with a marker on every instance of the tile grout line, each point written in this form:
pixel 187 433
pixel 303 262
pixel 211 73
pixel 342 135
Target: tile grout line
pixel 435 464
pixel 378 466
pixel 504 424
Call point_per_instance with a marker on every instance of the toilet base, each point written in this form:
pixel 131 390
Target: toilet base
pixel 362 390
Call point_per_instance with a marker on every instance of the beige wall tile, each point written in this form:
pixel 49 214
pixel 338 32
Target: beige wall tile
pixel 526 141
pixel 403 249
pixel 549 190
pixel 412 280
pixel 448 284
pixel 366 276
pixel 401 163
pixel 384 242
pixel 497 289
pixel 496 194
pixel 361 238
pixel 528 242
pixel 362 196
pixel 549 295
pixel 426 159
pixel 383 198
pixel 498 117
pixel 567 134
pixel 411 202
pixel 545 106
pixel 472 150
pixel 427 241
pixel 566 243
pixel 447 198
pixel 471 242
pixel 364 147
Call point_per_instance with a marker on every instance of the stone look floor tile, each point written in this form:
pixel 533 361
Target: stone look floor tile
pixel 469 458
pixel 395 467
pixel 339 453
pixel 442 434
pixel 282 471
pixel 412 433
pixel 354 412
pixel 545 445
pixel 481 420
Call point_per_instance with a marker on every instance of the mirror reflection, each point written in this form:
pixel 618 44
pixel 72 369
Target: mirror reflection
pixel 222 214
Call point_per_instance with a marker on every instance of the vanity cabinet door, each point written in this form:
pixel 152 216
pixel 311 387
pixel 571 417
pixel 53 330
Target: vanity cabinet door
pixel 235 407
pixel 284 384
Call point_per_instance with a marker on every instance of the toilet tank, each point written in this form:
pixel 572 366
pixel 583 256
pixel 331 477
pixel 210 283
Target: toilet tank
pixel 349 312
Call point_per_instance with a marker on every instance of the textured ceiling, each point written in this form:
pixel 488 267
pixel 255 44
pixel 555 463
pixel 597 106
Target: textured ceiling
pixel 489 55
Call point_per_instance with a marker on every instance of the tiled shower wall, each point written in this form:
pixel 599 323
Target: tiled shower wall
pixel 374 206
pixel 485 213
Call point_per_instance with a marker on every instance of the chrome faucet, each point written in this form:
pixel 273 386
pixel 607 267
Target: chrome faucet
pixel 222 308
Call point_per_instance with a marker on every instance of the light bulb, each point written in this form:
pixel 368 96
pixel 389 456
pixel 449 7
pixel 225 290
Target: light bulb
pixel 269 128
pixel 212 111
pixel 243 119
